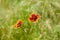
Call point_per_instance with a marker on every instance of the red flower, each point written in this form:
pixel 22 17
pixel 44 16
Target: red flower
pixel 18 24
pixel 34 17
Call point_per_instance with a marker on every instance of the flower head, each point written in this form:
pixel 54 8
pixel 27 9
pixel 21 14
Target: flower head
pixel 34 17
pixel 18 24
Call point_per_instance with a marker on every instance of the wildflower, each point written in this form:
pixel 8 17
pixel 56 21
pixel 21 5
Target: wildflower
pixel 34 17
pixel 18 24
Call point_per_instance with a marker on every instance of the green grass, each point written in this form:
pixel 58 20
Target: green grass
pixel 47 28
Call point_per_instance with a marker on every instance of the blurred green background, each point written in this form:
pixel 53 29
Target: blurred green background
pixel 47 28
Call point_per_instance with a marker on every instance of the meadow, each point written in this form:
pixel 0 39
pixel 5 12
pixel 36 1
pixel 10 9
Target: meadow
pixel 47 27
